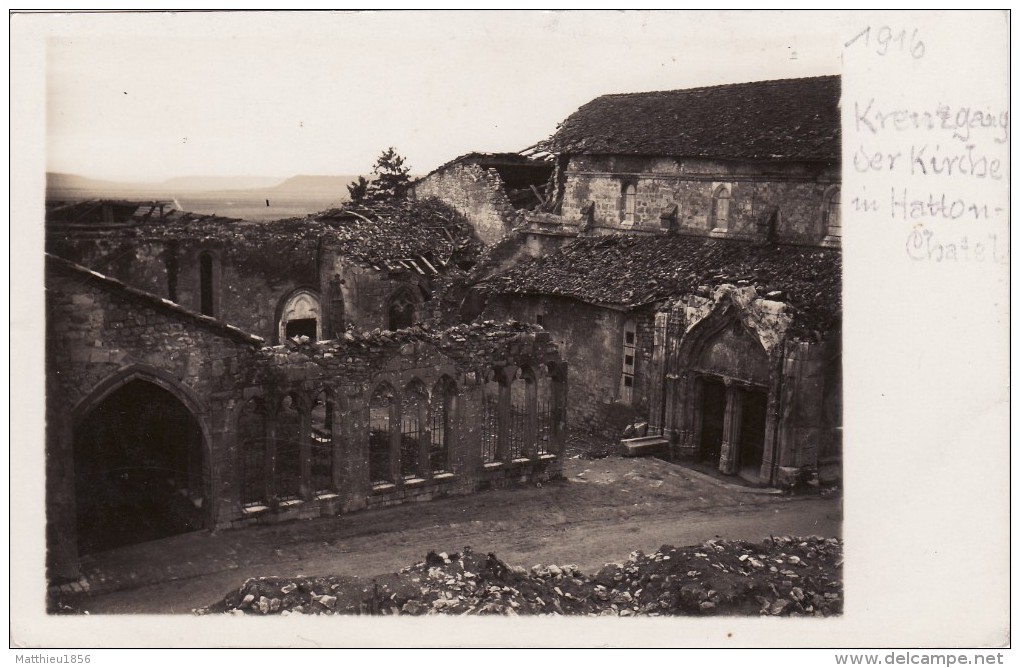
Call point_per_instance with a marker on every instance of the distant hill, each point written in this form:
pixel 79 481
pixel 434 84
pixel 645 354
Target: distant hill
pixel 306 182
pixel 201 183
pixel 56 182
pixel 59 181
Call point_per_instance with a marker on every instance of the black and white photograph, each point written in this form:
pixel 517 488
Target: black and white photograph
pixel 510 320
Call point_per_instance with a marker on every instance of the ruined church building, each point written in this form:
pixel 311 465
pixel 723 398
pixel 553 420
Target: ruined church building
pixel 668 264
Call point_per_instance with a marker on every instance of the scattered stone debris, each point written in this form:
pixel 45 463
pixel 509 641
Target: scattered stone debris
pixel 782 576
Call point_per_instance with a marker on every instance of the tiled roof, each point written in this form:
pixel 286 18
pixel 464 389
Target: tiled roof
pixel 629 271
pixel 786 119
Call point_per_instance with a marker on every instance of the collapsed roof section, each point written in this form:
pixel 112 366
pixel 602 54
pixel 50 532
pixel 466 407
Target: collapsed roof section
pixel 630 271
pixel 423 236
pixel 524 175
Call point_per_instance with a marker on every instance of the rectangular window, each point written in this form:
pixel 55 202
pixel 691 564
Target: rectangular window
pixel 629 353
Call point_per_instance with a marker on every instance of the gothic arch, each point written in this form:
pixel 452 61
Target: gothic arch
pixel 150 374
pixel 294 312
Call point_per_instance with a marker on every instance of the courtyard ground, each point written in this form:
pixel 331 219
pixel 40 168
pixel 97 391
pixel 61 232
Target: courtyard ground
pixel 600 512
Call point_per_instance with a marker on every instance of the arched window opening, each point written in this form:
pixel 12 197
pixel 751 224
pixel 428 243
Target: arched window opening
pixel 831 215
pixel 544 405
pixel 381 408
pixel 441 418
pixel 205 281
pixel 629 208
pixel 721 208
pixel 402 309
pixel 519 413
pixel 252 431
pixel 629 357
pixel 301 316
pixel 323 414
pixel 288 450
pixel 413 435
pixel 490 421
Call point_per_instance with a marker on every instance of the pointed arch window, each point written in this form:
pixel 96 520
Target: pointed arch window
pixel 402 309
pixel 382 408
pixel 301 316
pixel 252 432
pixel 321 438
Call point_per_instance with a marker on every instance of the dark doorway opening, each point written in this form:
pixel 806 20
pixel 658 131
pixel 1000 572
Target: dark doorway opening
pixel 302 327
pixel 138 469
pixel 713 414
pixel 752 433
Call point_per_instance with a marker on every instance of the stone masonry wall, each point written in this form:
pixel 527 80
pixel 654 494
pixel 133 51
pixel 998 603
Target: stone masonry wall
pixel 797 190
pixel 248 284
pixel 591 341
pixel 475 192
pixel 101 333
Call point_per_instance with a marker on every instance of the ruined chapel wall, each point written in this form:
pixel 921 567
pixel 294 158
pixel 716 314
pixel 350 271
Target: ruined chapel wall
pixel 590 339
pixel 475 192
pixel 249 280
pixel 797 189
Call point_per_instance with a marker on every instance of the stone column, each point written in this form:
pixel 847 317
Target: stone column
pixel 530 449
pixel 305 490
pixel 351 475
pixel 395 433
pixel 731 429
pixel 503 442
pixel 466 443
pixel 425 438
pixel 270 477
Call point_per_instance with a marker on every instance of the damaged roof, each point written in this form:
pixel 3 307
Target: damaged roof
pixel 630 271
pixel 422 235
pixel 785 119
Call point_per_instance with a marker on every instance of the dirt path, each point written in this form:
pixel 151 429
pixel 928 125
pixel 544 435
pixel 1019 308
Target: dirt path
pixel 603 511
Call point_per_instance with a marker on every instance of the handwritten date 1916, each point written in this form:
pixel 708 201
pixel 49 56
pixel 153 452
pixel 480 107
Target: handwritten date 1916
pixel 884 41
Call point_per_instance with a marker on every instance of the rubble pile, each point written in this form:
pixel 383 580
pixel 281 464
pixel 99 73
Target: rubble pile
pixel 782 576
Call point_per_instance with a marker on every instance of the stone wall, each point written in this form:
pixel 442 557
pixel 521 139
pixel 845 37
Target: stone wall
pixel 248 284
pixel 477 193
pixel 102 334
pixel 99 335
pixel 590 338
pixel 797 190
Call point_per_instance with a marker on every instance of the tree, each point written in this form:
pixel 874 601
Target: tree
pixel 389 180
pixel 358 190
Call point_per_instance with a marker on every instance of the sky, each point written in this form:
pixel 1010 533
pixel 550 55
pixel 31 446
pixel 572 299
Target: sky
pixel 150 96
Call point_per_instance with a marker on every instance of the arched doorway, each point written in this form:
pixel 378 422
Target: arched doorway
pixel 732 380
pixel 139 471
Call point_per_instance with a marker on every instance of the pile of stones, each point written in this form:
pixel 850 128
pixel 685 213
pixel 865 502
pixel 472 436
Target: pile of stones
pixel 782 576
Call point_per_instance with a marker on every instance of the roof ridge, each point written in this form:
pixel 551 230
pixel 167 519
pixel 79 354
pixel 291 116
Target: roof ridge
pixel 724 85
